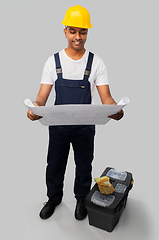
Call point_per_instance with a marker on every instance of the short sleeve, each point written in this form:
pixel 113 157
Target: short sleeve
pixel 101 74
pixel 49 74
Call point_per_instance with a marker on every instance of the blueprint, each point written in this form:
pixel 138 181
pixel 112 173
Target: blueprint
pixel 76 114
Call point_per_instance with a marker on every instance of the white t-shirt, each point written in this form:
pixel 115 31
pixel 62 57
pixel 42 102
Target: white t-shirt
pixel 74 70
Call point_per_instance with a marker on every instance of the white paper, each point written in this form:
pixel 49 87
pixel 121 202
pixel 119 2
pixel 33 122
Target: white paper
pixel 76 114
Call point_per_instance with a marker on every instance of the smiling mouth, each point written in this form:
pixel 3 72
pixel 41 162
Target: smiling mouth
pixel 77 43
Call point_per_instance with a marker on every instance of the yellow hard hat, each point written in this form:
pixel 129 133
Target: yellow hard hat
pixel 77 16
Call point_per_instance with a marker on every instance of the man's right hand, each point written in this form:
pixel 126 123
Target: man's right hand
pixel 32 116
pixel 40 100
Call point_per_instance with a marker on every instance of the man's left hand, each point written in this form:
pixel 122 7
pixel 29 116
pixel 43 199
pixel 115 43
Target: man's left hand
pixel 118 115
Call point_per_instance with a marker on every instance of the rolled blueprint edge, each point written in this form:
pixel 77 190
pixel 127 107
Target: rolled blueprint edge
pixel 124 101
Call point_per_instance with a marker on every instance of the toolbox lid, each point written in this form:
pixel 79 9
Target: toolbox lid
pixel 116 174
pixel 102 200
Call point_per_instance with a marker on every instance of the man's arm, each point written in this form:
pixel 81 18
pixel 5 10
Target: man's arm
pixel 106 98
pixel 40 100
pixel 105 95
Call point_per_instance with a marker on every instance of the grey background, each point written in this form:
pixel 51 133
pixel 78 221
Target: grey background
pixel 125 35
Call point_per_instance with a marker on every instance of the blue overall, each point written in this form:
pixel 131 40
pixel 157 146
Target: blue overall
pixel 80 136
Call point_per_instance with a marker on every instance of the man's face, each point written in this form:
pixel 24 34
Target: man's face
pixel 76 37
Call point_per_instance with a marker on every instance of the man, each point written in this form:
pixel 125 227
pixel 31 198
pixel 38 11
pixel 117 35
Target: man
pixel 74 72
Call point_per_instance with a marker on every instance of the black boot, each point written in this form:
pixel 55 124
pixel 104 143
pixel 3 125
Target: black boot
pixel 80 211
pixel 48 209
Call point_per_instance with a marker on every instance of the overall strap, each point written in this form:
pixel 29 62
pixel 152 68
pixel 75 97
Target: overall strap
pixel 88 67
pixel 58 65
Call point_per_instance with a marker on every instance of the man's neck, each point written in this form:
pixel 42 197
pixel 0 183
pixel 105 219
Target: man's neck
pixel 75 54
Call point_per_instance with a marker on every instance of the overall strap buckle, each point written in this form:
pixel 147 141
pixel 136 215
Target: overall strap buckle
pixel 58 65
pixel 87 71
pixel 58 70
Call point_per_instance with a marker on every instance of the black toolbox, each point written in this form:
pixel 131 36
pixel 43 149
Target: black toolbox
pixel 104 211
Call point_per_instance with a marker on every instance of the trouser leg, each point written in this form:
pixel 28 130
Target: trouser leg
pixel 83 146
pixel 58 150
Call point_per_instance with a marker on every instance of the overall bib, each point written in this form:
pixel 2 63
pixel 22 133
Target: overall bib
pixel 80 136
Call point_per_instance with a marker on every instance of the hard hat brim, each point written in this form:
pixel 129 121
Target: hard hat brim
pixel 70 25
